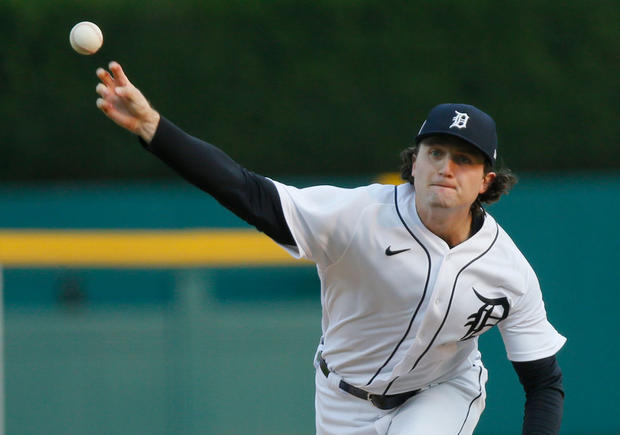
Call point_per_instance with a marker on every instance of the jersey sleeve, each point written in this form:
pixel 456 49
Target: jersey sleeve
pixel 321 219
pixel 250 196
pixel 526 332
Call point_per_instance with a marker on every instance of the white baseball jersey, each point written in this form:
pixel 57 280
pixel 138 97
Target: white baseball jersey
pixel 401 309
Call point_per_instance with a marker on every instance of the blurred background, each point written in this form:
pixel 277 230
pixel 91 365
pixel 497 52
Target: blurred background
pixel 115 320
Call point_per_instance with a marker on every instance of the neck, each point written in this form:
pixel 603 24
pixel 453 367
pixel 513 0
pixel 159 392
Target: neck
pixel 452 226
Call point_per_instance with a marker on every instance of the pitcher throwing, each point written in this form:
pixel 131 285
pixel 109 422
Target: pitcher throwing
pixel 411 275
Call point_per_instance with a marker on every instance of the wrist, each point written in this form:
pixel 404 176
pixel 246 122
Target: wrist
pixel 149 126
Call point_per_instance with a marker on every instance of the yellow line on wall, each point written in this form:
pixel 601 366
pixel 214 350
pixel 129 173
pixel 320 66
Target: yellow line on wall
pixel 140 248
pixel 390 178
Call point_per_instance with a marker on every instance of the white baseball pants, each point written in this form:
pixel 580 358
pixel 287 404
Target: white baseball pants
pixel 450 408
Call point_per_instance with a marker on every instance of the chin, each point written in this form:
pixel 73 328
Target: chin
pixel 441 202
pixel 444 196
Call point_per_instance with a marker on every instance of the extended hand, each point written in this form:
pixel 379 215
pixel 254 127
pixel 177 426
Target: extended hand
pixel 124 104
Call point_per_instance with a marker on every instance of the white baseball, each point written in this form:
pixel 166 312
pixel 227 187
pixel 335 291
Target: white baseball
pixel 86 37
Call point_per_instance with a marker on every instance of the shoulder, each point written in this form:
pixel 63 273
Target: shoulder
pixel 515 271
pixel 506 247
pixel 323 219
pixel 334 196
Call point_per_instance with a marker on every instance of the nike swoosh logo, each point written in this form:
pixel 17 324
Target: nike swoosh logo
pixel 388 251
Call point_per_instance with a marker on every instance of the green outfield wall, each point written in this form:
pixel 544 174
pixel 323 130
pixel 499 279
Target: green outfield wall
pixel 228 350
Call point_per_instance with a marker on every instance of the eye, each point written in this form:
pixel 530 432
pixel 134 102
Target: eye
pixel 435 152
pixel 462 159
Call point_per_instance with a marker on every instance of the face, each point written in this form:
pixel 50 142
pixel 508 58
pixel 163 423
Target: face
pixel 449 173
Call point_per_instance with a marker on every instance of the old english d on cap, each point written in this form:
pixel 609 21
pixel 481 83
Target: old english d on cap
pixel 464 121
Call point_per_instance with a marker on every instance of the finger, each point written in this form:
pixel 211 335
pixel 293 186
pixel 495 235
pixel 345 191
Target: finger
pixel 105 77
pixel 105 107
pixel 119 74
pixel 122 119
pixel 102 90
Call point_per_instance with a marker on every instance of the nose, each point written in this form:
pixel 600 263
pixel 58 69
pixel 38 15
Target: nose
pixel 446 166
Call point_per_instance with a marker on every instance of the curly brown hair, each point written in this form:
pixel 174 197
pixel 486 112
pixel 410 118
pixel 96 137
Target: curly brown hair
pixel 502 183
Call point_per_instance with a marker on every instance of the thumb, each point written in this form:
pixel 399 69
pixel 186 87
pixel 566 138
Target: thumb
pixel 122 91
pixel 130 94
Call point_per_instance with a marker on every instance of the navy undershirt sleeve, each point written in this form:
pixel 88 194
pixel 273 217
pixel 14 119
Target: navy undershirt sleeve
pixel 542 382
pixel 250 196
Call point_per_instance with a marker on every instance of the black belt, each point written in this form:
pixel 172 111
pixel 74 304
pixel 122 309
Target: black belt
pixel 381 401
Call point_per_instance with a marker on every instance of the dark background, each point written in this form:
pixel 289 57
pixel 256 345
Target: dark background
pixel 310 87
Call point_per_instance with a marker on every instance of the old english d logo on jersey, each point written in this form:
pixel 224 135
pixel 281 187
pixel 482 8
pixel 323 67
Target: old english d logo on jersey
pixel 490 314
pixel 460 120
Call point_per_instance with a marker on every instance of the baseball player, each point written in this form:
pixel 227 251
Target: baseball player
pixel 411 275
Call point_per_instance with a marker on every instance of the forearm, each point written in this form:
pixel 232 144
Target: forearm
pixel 543 412
pixel 542 382
pixel 250 196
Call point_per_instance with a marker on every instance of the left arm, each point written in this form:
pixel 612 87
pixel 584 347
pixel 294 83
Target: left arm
pixel 542 382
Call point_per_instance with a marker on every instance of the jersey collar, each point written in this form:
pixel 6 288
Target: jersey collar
pixel 405 202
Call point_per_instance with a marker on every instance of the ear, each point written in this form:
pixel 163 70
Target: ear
pixel 413 167
pixel 487 180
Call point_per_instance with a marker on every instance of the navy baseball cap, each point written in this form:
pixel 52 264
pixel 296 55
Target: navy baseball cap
pixel 464 121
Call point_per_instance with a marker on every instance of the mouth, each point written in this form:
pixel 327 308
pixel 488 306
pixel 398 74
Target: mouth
pixel 444 186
